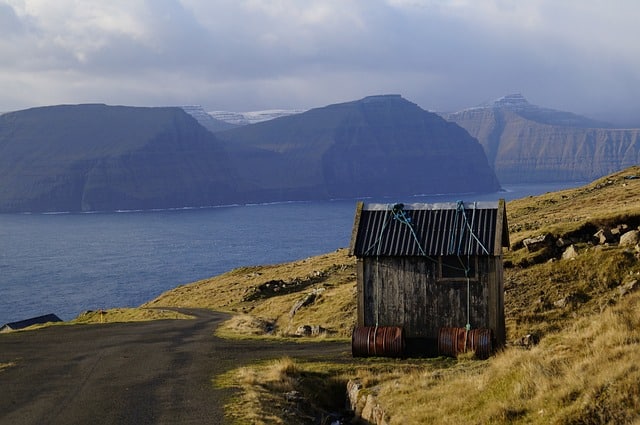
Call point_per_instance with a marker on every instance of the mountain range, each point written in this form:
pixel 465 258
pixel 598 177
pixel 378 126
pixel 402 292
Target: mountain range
pixel 525 143
pixel 97 157
pixel 376 146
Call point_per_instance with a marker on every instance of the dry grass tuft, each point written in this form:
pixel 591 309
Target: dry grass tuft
pixel 282 375
pixel 244 324
pixel 284 391
pixel 116 315
pixel 4 366
pixel 126 315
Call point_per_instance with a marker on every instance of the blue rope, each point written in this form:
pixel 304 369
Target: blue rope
pixel 486 251
pixel 460 210
pixel 400 215
pixel 461 222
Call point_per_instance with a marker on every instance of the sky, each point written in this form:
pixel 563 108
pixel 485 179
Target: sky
pixel 581 56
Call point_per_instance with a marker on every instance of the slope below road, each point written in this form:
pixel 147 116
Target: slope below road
pixel 129 373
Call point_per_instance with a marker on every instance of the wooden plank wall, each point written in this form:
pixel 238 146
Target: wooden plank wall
pixel 405 291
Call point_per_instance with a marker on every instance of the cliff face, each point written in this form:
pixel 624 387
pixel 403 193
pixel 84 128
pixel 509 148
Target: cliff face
pixel 527 143
pixel 105 158
pixel 377 146
pixel 97 157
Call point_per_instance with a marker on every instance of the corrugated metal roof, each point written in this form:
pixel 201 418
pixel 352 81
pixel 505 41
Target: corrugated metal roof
pixel 428 229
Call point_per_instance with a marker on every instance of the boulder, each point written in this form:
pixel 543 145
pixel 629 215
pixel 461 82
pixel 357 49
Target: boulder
pixel 365 405
pixel 317 330
pixel 304 330
pixel 535 243
pixel 572 300
pixel 529 340
pixel 308 299
pixel 628 287
pixel 310 330
pixel 619 229
pixel 570 253
pixel 604 236
pixel 631 238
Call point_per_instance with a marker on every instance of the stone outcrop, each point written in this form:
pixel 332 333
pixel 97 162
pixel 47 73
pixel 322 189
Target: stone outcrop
pixel 628 287
pixel 631 238
pixel 566 247
pixel 307 300
pixel 364 405
pixel 537 242
pixel 570 253
pixel 310 330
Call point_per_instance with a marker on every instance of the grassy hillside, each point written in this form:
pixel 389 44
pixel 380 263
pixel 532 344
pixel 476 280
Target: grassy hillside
pixel 584 311
pixel 264 297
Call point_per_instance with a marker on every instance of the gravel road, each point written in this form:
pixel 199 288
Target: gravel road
pixel 157 372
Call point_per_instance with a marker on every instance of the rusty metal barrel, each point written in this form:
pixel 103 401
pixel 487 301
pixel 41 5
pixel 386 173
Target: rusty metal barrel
pixel 377 341
pixel 455 341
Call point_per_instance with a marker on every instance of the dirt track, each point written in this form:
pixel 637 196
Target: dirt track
pixel 156 372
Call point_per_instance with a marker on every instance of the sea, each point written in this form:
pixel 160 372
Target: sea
pixel 67 263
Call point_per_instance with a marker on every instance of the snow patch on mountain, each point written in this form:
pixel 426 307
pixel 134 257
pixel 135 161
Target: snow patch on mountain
pixel 206 120
pixel 515 101
pixel 252 117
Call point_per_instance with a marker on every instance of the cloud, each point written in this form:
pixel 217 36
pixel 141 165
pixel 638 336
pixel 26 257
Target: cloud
pixel 251 54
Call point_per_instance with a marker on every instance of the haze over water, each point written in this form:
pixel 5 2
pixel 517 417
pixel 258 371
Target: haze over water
pixel 69 263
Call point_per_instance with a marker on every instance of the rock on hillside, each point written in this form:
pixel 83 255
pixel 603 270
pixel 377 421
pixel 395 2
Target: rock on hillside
pixel 98 157
pixel 528 143
pixel 376 146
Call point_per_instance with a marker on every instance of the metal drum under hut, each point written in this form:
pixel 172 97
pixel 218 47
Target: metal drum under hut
pixel 455 341
pixel 377 341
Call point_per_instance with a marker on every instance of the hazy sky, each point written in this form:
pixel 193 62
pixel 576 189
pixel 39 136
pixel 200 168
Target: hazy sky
pixel 577 55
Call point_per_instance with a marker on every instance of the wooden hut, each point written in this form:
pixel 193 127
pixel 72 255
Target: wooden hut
pixel 430 270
